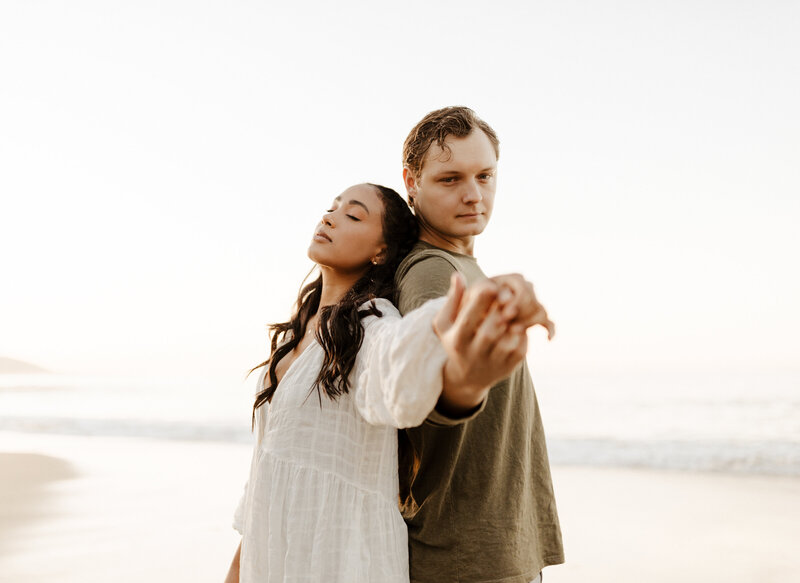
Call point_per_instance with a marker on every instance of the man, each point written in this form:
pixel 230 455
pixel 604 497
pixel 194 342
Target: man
pixel 479 500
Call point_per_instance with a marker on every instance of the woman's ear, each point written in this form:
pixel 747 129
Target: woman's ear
pixel 380 257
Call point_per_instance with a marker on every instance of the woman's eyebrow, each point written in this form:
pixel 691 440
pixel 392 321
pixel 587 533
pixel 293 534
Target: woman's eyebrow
pixel 357 202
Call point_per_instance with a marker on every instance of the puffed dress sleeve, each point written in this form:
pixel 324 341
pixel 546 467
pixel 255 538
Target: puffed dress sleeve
pixel 398 371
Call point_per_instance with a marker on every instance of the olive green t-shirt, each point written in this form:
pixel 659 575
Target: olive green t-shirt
pixel 485 509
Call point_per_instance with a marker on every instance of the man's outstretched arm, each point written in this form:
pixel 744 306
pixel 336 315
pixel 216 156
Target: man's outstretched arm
pixel 484 332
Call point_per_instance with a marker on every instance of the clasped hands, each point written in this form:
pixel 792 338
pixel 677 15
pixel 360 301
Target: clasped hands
pixel 483 329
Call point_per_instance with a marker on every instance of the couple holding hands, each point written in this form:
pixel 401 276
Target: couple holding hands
pixel 398 433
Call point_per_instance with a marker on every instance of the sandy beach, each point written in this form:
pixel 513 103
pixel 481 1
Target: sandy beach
pixel 94 509
pixel 645 526
pixel 131 509
pixel 24 492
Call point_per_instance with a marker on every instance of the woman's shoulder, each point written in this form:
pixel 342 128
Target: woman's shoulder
pixel 382 306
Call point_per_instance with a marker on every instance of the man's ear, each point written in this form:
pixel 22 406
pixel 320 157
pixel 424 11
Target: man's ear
pixel 411 185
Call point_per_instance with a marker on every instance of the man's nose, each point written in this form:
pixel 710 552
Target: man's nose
pixel 472 192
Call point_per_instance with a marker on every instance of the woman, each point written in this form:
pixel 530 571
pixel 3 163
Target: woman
pixel 344 372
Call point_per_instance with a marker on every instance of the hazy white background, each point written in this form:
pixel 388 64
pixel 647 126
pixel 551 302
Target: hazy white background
pixel 163 164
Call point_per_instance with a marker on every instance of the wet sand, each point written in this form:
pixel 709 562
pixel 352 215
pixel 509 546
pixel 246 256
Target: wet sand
pixel 644 526
pixel 94 509
pixel 132 510
pixel 24 492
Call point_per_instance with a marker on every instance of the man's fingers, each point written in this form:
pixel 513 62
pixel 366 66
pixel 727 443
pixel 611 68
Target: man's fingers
pixel 519 303
pixel 511 348
pixel 517 295
pixel 490 331
pixel 508 302
pixel 540 318
pixel 521 349
pixel 512 280
pixel 551 328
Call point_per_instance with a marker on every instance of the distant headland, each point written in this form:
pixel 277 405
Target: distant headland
pixel 14 366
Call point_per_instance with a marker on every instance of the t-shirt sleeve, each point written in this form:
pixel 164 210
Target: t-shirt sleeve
pixel 398 372
pixel 426 279
pixel 441 420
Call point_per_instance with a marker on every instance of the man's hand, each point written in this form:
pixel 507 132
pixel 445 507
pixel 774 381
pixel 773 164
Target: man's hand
pixel 522 306
pixel 483 346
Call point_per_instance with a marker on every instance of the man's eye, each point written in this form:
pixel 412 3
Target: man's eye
pixel 449 179
pixel 485 176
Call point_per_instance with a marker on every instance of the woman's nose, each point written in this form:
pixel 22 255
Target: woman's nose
pixel 327 219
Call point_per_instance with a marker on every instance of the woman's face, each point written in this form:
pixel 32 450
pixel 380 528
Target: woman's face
pixel 350 235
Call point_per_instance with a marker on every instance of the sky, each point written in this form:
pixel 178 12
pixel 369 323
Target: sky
pixel 163 165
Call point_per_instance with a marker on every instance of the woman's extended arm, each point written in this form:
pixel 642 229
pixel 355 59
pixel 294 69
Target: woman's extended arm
pixel 446 354
pixel 398 374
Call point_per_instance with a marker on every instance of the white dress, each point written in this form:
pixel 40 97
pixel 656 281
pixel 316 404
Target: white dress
pixel 321 501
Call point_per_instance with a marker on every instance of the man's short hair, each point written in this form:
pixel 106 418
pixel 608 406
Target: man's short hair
pixel 456 121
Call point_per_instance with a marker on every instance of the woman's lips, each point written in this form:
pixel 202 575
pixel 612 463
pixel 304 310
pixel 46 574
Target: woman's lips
pixel 320 236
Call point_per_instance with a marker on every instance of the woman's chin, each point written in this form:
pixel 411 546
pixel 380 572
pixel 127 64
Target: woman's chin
pixel 319 258
pixel 313 253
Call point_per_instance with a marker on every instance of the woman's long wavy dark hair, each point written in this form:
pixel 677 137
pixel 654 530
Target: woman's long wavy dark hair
pixel 340 332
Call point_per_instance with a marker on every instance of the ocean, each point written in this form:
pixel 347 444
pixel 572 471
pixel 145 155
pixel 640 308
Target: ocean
pixel 718 422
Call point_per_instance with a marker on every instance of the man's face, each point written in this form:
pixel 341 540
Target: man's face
pixel 454 194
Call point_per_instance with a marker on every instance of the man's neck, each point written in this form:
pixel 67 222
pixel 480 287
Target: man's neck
pixel 464 245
